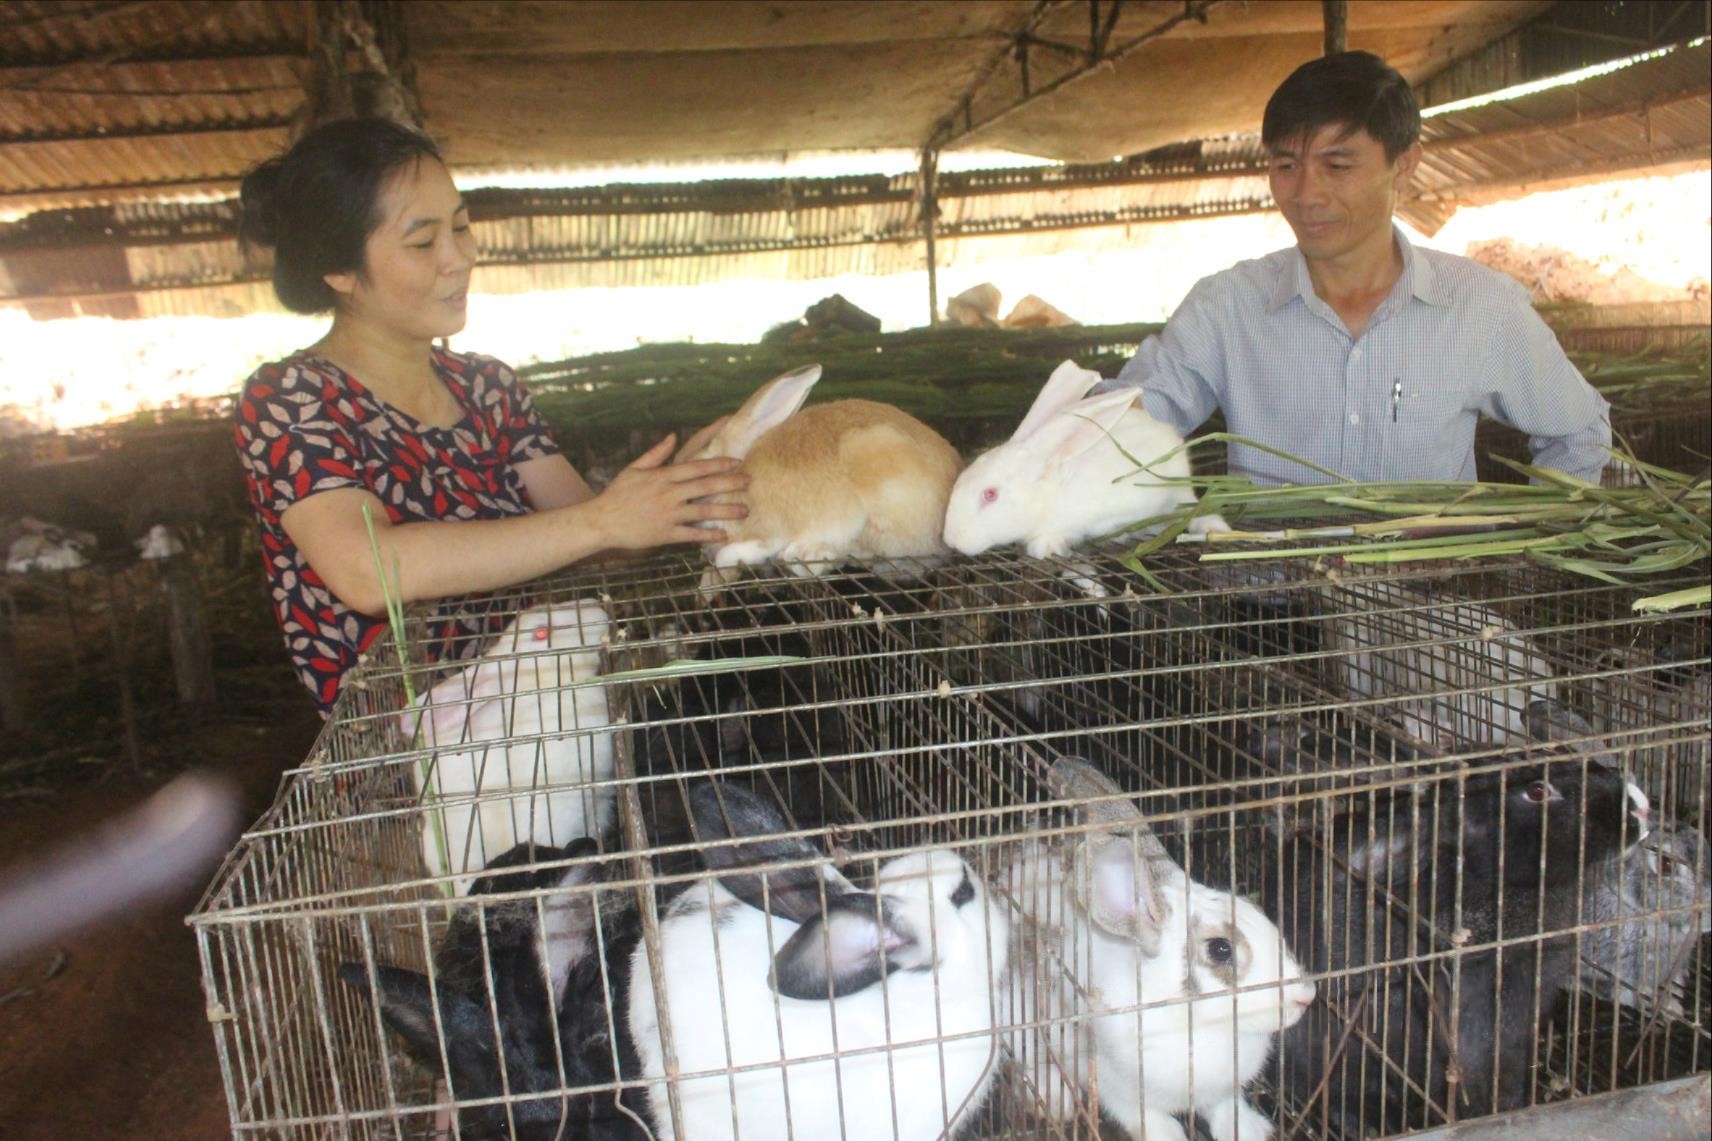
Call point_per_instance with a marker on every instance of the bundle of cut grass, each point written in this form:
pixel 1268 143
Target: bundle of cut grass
pixel 1616 535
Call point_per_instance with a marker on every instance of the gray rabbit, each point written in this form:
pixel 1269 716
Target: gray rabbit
pixel 1662 889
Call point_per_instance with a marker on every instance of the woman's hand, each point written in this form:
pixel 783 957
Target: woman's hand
pixel 652 503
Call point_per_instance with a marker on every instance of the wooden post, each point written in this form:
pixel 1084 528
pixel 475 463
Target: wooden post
pixel 187 631
pixel 929 216
pixel 327 82
pixel 122 668
pixel 11 697
pixel 1336 13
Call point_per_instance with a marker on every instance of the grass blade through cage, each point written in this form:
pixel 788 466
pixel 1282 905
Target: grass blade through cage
pixel 390 592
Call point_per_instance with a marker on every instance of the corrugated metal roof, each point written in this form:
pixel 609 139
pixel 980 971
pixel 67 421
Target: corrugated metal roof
pixel 1653 112
pixel 1657 111
pixel 169 92
pixel 104 100
pixel 674 234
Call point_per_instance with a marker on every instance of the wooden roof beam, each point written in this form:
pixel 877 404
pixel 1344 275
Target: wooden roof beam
pixel 22 74
pixel 962 122
pixel 105 194
pixel 149 131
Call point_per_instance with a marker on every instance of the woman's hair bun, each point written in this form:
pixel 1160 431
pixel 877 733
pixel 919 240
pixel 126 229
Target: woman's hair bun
pixel 258 200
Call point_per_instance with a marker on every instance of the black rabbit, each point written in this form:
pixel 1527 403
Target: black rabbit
pixel 1513 849
pixel 531 1002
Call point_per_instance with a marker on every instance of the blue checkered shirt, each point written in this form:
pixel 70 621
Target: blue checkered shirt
pixel 1452 341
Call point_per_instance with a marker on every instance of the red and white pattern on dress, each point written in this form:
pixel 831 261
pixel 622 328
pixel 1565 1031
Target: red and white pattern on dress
pixel 304 426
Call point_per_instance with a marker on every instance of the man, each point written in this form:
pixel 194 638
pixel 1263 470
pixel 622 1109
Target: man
pixel 1355 350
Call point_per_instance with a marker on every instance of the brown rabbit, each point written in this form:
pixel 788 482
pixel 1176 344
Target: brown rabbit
pixel 850 480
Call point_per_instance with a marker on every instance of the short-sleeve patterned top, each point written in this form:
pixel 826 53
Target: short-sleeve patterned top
pixel 304 426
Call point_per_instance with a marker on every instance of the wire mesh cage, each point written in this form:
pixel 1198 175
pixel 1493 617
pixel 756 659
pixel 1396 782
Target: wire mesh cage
pixel 1014 848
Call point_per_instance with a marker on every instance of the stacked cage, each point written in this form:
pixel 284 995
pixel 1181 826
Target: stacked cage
pixel 1017 848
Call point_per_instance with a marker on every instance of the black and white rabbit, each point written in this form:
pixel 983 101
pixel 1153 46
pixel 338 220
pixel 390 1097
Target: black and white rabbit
pixel 764 966
pixel 1159 992
pixel 534 1001
pixel 1500 855
pixel 1661 890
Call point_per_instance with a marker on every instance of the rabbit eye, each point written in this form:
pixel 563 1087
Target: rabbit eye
pixel 542 634
pixel 1541 791
pixel 964 893
pixel 989 495
pixel 1219 950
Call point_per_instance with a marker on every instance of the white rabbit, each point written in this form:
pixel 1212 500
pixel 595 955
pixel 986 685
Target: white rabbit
pixel 1063 476
pixel 43 553
pixel 1133 971
pixel 912 968
pixel 512 748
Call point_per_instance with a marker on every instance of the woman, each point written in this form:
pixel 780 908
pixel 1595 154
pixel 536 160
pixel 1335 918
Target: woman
pixel 444 452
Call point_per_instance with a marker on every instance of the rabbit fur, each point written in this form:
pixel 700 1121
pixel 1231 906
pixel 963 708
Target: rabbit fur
pixel 1111 923
pixel 513 751
pixel 849 480
pixel 1661 890
pixel 1385 882
pixel 1456 673
pixel 916 960
pixel 1063 476
pixel 542 972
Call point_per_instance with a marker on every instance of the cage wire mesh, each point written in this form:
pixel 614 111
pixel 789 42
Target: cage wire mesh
pixel 1345 854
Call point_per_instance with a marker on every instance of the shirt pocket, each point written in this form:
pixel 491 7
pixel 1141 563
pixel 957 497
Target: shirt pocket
pixel 1429 417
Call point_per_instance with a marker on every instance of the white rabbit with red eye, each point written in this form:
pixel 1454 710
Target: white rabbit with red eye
pixel 849 480
pixel 517 738
pixel 1064 475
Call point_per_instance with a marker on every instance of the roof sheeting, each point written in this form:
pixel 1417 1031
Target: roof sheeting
pixel 1652 113
pixel 100 101
pixel 658 79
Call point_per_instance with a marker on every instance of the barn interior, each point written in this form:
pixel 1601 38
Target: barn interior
pixel 125 127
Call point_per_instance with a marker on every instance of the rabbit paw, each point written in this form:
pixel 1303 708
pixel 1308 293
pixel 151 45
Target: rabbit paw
pixel 744 552
pixel 1046 546
pixel 1236 1120
pixel 1080 574
pixel 1202 524
pixel 1156 1126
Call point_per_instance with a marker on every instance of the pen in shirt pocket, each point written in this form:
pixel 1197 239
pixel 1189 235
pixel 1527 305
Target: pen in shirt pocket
pixel 1396 396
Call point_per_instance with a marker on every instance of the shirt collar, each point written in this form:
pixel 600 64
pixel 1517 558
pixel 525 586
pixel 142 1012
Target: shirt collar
pixel 1418 279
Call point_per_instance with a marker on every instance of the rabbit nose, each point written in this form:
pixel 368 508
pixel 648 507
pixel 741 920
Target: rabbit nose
pixel 1640 807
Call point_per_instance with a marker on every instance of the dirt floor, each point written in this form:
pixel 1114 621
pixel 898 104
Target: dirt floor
pixel 104 1034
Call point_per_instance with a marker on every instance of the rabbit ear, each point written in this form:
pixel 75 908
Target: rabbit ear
pixel 407 1006
pixel 1073 778
pixel 1119 888
pixel 1068 383
pixel 768 407
pixel 1550 721
pixel 724 810
pixel 1067 438
pixel 847 949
